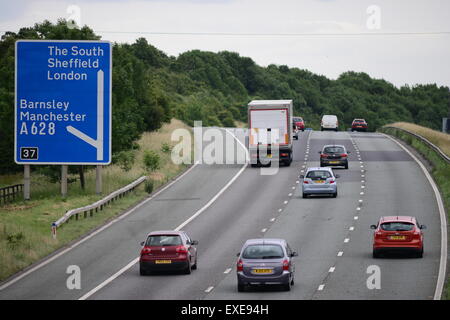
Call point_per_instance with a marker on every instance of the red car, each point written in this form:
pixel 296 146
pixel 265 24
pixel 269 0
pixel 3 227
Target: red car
pixel 359 125
pixel 298 123
pixel 398 233
pixel 168 250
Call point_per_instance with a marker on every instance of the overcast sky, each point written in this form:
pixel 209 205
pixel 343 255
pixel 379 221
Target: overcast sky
pixel 372 36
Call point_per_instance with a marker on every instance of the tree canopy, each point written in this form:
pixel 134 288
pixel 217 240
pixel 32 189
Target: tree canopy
pixel 150 87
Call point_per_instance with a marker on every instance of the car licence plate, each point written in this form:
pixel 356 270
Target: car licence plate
pixel 163 261
pixel 320 181
pixel 397 238
pixel 334 162
pixel 262 271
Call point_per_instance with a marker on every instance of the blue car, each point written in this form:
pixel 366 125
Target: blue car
pixel 319 180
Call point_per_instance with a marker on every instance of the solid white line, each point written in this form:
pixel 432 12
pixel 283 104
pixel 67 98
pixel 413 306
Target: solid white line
pixel 443 220
pixel 114 276
pixel 196 214
pixel 227 271
pixel 21 276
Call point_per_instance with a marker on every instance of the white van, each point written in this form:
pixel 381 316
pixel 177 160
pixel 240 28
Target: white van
pixel 329 122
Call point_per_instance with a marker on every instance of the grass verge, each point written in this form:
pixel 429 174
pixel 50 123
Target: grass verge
pixel 25 233
pixel 440 172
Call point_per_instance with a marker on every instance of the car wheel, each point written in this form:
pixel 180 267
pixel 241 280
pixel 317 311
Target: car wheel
pixel 346 166
pixel 240 287
pixel 304 195
pixel 322 164
pixel 142 272
pixel 188 270
pixel 375 254
pixel 321 129
pixel 194 267
pixel 420 253
pixel 287 286
pixel 335 194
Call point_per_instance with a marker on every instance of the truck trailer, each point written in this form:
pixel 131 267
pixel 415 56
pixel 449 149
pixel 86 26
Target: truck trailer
pixel 270 129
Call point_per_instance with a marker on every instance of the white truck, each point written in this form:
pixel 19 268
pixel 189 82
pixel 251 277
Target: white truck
pixel 270 128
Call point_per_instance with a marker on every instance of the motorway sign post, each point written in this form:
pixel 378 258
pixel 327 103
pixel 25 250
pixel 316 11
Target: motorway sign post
pixel 63 102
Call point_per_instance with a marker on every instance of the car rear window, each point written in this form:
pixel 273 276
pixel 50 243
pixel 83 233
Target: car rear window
pixel 333 150
pixel 263 251
pixel 164 240
pixel 397 226
pixel 319 174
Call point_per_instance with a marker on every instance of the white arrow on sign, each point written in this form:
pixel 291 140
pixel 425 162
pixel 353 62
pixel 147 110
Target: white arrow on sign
pixel 98 144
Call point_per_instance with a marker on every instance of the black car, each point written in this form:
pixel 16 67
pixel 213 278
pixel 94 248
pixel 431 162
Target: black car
pixel 334 155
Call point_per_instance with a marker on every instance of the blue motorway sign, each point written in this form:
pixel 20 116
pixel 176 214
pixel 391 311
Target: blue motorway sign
pixel 63 102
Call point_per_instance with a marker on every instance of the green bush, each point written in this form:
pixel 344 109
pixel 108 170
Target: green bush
pixel 166 148
pixel 125 159
pixel 149 185
pixel 152 160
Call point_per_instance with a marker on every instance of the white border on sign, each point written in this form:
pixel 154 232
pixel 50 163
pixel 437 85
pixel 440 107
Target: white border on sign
pixel 110 105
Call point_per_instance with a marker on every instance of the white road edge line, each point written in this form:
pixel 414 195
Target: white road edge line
pixel 227 271
pixel 209 289
pixel 443 218
pixel 21 276
pixel 195 215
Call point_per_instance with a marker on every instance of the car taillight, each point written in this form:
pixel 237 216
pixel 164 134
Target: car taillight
pixel 305 182
pixel 331 181
pixel 181 249
pixel 322 155
pixel 240 265
pixel 145 250
pixel 344 155
pixel 416 235
pixel 285 265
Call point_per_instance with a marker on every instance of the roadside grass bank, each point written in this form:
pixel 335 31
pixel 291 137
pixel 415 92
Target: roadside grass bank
pixel 440 139
pixel 25 233
pixel 440 169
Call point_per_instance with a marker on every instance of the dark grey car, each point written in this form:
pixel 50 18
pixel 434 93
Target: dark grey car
pixel 266 261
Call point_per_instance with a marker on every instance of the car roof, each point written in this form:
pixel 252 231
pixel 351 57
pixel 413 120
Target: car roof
pixel 264 241
pixel 319 168
pixel 397 218
pixel 334 145
pixel 166 232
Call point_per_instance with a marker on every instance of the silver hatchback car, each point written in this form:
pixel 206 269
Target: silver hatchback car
pixel 265 261
pixel 319 180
